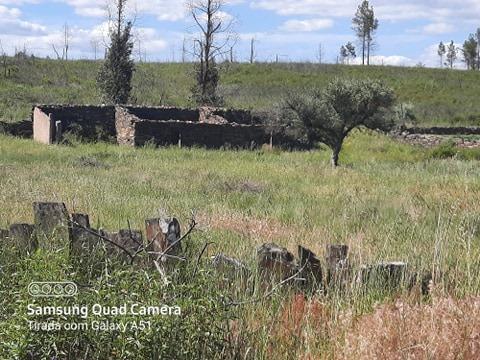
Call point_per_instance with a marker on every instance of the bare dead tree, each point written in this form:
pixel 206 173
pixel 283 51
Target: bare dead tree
pixel 214 40
pixel 232 58
pixel 95 44
pixel 4 61
pixel 57 54
pixel 184 50
pixel 252 51
pixel 320 53
pixel 66 40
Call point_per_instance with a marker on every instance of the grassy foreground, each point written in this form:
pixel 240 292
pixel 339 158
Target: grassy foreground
pixel 439 96
pixel 388 202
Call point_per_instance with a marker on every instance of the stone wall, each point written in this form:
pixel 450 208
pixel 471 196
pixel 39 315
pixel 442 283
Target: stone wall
pixel 164 113
pixel 23 129
pixel 206 127
pixel 125 126
pixel 440 130
pixel 90 123
pixel 199 134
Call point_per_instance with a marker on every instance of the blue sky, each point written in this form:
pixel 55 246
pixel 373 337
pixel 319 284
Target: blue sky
pixel 292 29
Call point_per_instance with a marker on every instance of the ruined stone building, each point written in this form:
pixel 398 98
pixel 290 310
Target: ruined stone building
pixel 162 126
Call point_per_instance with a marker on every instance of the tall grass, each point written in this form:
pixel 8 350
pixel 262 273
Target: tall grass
pixel 389 201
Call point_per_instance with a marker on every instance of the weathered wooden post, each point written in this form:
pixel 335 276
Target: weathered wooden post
pixel 22 237
pixel 52 226
pixel 311 268
pixel 163 234
pixel 337 264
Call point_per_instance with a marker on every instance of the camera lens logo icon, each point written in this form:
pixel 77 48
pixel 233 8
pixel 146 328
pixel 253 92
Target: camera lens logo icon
pixel 53 289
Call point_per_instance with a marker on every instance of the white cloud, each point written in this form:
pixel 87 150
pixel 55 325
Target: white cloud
pixel 306 25
pixel 12 24
pixel 162 9
pixel 393 60
pixel 434 10
pixel 438 28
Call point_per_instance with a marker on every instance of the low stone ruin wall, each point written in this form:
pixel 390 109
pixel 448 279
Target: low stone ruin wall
pixel 90 123
pixel 204 127
pixel 23 129
pixel 134 126
pixel 462 137
pixel 199 134
pixel 440 130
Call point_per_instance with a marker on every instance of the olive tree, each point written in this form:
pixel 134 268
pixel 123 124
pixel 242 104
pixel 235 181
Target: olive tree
pixel 329 115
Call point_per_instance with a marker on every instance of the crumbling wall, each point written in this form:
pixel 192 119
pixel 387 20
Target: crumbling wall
pixel 23 129
pixel 199 134
pixel 43 129
pixel 164 113
pixel 436 130
pixel 88 122
pixel 125 126
pixel 134 126
pixel 243 117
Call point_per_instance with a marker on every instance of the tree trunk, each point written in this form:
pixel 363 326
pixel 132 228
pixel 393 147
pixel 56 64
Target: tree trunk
pixel 363 50
pixel 368 53
pixel 335 156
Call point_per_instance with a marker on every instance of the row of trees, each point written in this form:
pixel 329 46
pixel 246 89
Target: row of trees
pixel 470 52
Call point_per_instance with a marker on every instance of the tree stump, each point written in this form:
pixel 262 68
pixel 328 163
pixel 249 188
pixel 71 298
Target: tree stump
pixel 337 265
pixel 22 237
pixel 312 268
pixel 275 263
pixel 52 225
pixel 162 234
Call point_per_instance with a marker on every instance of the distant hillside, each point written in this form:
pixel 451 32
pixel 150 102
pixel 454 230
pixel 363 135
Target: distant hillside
pixel 439 96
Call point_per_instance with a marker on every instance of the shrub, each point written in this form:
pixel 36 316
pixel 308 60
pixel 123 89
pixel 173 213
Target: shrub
pixel 444 151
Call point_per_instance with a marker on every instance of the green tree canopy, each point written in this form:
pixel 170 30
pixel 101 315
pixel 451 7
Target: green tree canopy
pixel 330 114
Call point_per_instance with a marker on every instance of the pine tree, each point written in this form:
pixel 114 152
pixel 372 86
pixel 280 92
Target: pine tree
pixel 469 51
pixel 451 54
pixel 441 52
pixel 365 24
pixel 343 54
pixel 115 77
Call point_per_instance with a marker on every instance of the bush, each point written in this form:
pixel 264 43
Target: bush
pixel 446 150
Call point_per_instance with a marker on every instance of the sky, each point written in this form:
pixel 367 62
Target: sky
pixel 292 30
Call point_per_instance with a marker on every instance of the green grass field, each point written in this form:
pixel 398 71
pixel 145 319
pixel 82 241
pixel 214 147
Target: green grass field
pixel 439 96
pixel 388 202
